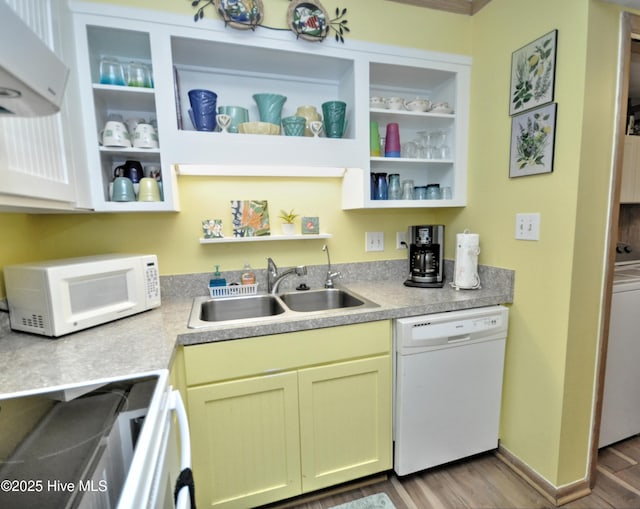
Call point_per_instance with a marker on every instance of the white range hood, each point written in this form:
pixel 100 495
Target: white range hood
pixel 32 77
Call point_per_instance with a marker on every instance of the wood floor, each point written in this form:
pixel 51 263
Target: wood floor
pixel 485 482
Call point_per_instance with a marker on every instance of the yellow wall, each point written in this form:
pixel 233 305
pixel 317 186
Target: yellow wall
pixel 555 315
pixel 553 336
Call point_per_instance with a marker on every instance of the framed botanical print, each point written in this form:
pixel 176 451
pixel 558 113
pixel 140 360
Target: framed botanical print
pixel 533 70
pixel 532 141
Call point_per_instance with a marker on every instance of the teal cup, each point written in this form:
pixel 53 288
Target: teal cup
pixel 334 118
pixel 294 126
pixel 238 114
pixel 270 107
pixel 122 190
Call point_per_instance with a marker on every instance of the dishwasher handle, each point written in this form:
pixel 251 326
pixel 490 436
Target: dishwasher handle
pixel 458 339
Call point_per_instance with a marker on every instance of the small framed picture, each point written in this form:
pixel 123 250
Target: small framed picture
pixel 212 228
pixel 532 141
pixel 310 225
pixel 533 72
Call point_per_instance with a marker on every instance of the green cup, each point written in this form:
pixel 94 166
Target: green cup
pixel 294 126
pixel 238 116
pixel 374 139
pixel 334 118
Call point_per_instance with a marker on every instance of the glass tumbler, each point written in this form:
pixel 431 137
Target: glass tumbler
pixel 381 187
pixel 433 192
pixel 111 72
pixel 420 193
pixel 394 191
pixel 139 75
pixel 407 189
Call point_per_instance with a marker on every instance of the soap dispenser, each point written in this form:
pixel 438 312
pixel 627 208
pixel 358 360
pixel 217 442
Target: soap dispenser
pixel 248 276
pixel 217 280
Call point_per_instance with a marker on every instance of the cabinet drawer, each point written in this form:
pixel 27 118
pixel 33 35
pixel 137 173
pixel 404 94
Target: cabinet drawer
pixel 274 353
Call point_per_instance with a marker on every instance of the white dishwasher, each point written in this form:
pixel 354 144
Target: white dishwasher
pixel 448 386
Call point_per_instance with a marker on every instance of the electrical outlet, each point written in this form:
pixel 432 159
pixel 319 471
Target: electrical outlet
pixel 374 241
pixel 401 240
pixel 528 226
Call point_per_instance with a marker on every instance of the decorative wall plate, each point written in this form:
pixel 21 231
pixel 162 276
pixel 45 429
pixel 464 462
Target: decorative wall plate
pixel 308 19
pixel 241 14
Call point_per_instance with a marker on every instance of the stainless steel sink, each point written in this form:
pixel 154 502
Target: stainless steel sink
pixel 322 300
pixel 206 310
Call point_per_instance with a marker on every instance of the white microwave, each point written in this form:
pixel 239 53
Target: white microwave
pixel 57 297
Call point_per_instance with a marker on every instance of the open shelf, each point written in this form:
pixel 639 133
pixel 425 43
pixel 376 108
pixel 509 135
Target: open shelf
pixel 267 238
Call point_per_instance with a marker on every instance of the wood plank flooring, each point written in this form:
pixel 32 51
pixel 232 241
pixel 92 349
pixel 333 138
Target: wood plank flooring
pixel 485 482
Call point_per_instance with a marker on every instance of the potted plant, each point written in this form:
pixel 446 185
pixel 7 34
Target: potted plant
pixel 288 228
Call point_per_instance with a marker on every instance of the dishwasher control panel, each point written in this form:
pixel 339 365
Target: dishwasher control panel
pixel 451 327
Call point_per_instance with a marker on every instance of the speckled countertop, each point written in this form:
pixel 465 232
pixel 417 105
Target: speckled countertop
pixel 146 342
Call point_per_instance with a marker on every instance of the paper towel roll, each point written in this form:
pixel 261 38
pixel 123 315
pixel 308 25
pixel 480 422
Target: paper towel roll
pixel 466 265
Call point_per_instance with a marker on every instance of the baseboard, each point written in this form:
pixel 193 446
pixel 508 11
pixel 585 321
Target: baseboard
pixel 555 495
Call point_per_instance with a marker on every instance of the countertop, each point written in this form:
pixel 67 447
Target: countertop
pixel 147 341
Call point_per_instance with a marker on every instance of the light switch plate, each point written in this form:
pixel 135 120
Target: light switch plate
pixel 374 241
pixel 528 226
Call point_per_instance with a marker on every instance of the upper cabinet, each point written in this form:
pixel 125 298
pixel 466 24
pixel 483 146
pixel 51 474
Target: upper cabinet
pixel 41 157
pixel 427 97
pixel 236 65
pixel 114 99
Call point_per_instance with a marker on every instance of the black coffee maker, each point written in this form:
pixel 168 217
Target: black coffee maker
pixel 426 249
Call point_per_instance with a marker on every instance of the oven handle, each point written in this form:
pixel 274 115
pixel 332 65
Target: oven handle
pixel 183 497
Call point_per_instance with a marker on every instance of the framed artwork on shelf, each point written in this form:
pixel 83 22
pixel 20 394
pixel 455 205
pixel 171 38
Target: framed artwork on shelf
pixel 533 71
pixel 212 228
pixel 250 218
pixel 310 225
pixel 532 141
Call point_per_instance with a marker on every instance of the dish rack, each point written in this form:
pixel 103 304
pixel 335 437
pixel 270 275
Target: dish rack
pixel 233 290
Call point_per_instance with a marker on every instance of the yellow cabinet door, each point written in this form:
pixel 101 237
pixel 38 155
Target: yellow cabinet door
pixel 345 421
pixel 246 441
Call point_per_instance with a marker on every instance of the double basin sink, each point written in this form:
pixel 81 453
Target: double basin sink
pixel 206 311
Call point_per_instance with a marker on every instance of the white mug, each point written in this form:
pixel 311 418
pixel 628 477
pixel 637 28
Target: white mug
pixel 145 136
pixel 132 123
pixel 115 134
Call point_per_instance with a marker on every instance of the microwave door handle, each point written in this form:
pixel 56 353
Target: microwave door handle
pixel 182 497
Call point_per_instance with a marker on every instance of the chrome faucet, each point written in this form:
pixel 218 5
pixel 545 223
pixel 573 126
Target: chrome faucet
pixel 328 283
pixel 274 279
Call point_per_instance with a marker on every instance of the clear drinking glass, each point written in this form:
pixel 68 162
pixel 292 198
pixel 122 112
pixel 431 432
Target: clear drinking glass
pixel 407 190
pixel 139 75
pixel 394 191
pixel 111 72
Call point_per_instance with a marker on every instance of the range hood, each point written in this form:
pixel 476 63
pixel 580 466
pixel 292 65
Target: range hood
pixel 32 77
